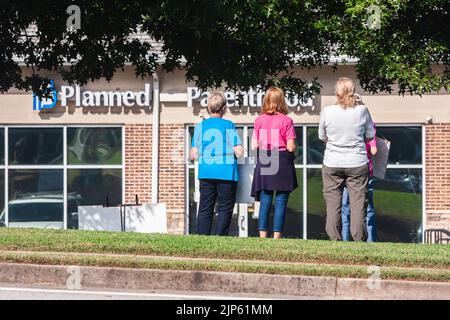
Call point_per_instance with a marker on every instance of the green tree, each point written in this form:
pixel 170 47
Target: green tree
pixel 400 44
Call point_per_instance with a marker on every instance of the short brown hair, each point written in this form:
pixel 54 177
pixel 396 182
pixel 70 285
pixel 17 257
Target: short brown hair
pixel 216 102
pixel 274 101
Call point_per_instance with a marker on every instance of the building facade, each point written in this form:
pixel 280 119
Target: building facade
pixel 110 143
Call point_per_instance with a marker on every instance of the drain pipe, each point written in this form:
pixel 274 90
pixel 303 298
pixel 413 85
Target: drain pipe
pixel 155 138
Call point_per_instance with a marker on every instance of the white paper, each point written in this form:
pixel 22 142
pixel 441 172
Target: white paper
pixel 380 159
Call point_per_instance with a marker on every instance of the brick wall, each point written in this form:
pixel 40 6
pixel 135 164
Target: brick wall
pixel 172 175
pixel 138 169
pixel 437 168
pixel 138 162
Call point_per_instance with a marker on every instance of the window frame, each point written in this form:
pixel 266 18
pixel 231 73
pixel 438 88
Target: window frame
pixel 64 166
pixel 304 166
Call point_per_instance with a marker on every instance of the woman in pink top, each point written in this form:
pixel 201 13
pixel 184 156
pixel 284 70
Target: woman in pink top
pixel 274 138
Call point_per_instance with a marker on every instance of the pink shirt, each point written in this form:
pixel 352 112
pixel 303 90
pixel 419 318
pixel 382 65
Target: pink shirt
pixel 273 131
pixel 371 143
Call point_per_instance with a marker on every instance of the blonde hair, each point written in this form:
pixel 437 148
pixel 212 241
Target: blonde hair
pixel 345 93
pixel 216 102
pixel 274 101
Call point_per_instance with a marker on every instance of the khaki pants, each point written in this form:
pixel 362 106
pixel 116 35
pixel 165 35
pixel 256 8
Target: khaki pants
pixel 334 180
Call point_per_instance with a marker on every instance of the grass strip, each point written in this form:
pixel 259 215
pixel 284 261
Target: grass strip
pixel 287 250
pixel 341 271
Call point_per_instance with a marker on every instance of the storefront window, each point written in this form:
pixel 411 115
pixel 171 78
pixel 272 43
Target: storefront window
pixel 94 146
pixel 406 144
pixel 316 206
pixel 251 153
pixel 299 140
pixel 397 198
pixel 35 146
pixel 2 146
pixel 398 205
pixel 192 203
pixel 397 202
pixel 316 147
pixel 191 134
pixel 2 198
pixel 36 198
pixel 91 187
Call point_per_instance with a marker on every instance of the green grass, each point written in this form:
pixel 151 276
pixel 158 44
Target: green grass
pixel 260 267
pixel 284 250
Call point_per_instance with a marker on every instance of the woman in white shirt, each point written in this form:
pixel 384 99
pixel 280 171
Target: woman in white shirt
pixel 345 127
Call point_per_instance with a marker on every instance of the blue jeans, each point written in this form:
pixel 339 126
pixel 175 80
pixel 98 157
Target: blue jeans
pixel 281 199
pixel 370 218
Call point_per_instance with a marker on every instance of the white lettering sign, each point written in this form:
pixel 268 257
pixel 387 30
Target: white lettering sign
pixel 251 98
pixel 105 98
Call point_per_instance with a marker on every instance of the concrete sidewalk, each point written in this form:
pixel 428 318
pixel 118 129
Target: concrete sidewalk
pixel 76 278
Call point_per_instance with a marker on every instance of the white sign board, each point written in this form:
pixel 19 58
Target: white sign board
pixel 146 218
pixel 99 218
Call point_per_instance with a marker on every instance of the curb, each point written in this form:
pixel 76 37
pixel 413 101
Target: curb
pixel 75 277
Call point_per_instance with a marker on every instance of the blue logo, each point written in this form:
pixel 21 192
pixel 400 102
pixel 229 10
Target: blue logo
pixel 39 104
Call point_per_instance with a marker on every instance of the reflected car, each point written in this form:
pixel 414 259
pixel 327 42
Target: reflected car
pixel 37 211
pixel 399 182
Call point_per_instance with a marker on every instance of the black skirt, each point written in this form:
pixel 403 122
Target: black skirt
pixel 274 171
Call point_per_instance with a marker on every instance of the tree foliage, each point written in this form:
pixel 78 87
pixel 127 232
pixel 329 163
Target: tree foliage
pixel 238 43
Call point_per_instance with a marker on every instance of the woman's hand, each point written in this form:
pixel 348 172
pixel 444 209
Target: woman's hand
pixel 238 151
pixel 291 145
pixel 254 144
pixel 193 154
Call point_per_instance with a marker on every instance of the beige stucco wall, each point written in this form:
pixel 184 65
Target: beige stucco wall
pixel 385 108
pixel 16 107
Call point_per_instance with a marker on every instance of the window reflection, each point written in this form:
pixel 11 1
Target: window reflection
pixel 2 198
pixel 251 153
pixel 397 201
pixel 406 144
pixel 91 187
pixel 299 140
pixel 191 134
pixel 2 146
pixel 316 206
pixel 94 146
pixel 398 205
pixel 397 198
pixel 192 203
pixel 35 146
pixel 36 198
pixel 316 147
